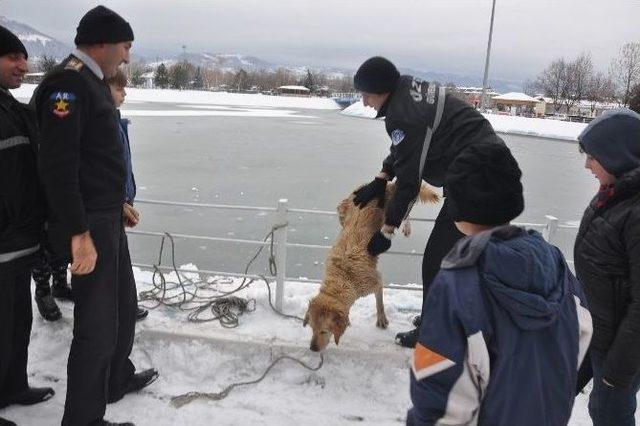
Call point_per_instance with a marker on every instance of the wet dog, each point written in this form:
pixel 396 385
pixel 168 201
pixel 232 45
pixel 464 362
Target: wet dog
pixel 350 271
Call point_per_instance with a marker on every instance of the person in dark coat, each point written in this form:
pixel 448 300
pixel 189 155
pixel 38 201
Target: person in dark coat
pixel 83 174
pixel 427 128
pixel 507 321
pixel 21 226
pixel 607 261
pixel 117 85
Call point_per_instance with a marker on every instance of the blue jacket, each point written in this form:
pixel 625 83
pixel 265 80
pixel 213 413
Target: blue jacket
pixel 130 186
pixel 505 329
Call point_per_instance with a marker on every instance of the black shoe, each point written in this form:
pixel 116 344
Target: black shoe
pixel 47 307
pixel 408 339
pixel 61 290
pixel 108 423
pixel 5 422
pixel 141 314
pixel 29 397
pixel 417 321
pixel 138 382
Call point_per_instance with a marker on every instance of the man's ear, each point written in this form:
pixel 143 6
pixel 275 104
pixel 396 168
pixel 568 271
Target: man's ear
pixel 340 322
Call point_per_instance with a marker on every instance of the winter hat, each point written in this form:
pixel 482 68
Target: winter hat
pixel 10 43
pixel 614 140
pixel 483 186
pixel 102 25
pixel 376 75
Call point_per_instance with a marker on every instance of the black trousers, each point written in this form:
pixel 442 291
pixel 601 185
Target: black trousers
pixel 104 317
pixel 442 239
pixel 15 325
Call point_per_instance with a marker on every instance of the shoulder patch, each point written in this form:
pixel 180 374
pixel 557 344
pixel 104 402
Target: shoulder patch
pixel 397 136
pixel 74 64
pixel 62 103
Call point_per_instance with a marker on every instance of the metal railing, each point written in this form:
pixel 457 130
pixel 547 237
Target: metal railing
pixel 280 223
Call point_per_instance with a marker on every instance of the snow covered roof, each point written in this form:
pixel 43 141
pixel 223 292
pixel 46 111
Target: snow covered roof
pixel 515 96
pixel 302 88
pixel 149 74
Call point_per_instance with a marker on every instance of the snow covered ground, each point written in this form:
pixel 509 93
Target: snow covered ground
pixel 209 98
pixel 364 380
pixel 504 124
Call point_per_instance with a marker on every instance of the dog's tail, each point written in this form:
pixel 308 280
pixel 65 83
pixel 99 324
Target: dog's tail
pixel 428 194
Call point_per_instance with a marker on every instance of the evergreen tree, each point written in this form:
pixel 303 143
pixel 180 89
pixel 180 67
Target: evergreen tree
pixel 161 77
pixel 136 77
pixel 309 81
pixel 47 63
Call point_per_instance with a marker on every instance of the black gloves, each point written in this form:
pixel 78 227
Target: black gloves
pixel 378 244
pixel 375 189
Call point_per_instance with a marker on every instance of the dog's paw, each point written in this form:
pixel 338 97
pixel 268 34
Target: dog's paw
pixel 382 322
pixel 406 228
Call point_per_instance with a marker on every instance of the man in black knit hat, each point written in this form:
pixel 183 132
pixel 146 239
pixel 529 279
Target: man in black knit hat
pixel 83 173
pixel 21 224
pixel 428 128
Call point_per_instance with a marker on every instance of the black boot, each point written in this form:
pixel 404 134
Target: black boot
pixel 138 382
pixel 141 314
pixel 108 423
pixel 408 339
pixel 417 321
pixel 29 397
pixel 5 422
pixel 47 305
pixel 60 288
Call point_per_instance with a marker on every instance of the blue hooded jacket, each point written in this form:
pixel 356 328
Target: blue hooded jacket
pixel 505 330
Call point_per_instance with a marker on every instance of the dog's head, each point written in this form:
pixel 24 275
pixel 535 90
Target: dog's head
pixel 325 318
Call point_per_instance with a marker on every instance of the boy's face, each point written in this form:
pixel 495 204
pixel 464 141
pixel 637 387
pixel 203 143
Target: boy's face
pixel 118 93
pixel 598 171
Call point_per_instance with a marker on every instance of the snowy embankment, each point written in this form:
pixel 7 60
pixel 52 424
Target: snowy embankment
pixel 364 380
pixel 209 98
pixel 537 127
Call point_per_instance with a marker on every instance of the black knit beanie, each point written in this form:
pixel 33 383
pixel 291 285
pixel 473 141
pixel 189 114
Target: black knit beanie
pixel 614 140
pixel 482 185
pixel 376 75
pixel 102 25
pixel 10 43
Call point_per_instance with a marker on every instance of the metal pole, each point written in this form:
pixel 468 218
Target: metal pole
pixel 551 229
pixel 280 240
pixel 486 63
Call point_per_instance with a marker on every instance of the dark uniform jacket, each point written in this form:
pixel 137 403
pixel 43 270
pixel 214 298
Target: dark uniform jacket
pixel 607 260
pixel 410 111
pixel 21 207
pixel 81 157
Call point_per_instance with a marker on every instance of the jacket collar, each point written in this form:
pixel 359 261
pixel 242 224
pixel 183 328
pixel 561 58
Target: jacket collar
pixel 89 62
pixel 6 98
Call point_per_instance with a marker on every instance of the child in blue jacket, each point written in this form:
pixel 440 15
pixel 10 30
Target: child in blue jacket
pixel 506 324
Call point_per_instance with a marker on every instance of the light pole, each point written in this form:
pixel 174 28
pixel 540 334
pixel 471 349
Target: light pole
pixel 486 63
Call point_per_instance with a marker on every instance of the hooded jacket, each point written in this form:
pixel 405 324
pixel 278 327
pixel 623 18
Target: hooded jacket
pixel 506 329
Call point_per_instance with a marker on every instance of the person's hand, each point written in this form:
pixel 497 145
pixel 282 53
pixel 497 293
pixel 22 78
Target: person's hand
pixel 381 241
pixel 376 189
pixel 83 253
pixel 130 215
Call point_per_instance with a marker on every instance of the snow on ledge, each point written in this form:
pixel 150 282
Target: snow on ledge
pixel 537 127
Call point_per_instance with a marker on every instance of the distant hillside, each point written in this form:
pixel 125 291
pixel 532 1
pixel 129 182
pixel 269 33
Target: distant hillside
pixel 37 43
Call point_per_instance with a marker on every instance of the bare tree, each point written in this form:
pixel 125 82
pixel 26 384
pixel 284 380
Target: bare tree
pixel 578 80
pixel 553 81
pixel 634 99
pixel 601 89
pixel 529 87
pixel 47 63
pixel 626 69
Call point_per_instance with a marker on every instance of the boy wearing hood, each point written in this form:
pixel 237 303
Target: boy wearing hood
pixel 607 255
pixel 508 325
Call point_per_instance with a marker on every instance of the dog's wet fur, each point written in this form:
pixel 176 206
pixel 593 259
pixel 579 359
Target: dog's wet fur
pixel 350 271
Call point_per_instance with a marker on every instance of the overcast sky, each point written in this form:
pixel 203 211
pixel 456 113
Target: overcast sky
pixel 436 35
